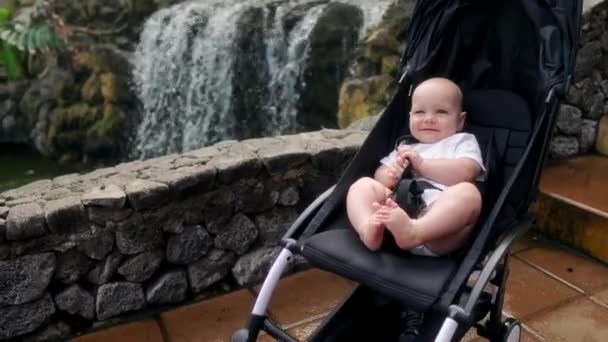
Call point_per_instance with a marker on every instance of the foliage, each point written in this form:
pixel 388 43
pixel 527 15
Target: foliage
pixel 30 36
pixel 31 39
pixel 9 55
pixel 107 126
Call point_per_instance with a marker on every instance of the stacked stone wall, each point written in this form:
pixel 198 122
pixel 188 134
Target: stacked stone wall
pixel 80 251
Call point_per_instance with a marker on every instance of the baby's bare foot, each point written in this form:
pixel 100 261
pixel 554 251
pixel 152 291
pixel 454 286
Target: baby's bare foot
pixel 400 225
pixel 373 231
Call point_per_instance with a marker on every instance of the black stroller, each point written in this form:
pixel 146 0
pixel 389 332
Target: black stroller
pixel 514 61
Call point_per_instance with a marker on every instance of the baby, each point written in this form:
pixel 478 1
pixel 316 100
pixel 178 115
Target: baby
pixel 449 160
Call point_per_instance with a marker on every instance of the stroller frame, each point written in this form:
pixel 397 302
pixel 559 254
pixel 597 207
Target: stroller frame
pixel 464 301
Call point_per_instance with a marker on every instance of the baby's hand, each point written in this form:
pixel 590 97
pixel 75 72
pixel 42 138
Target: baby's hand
pixel 394 173
pixel 408 153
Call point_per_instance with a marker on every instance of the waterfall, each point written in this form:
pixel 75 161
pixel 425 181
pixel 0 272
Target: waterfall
pixel 285 56
pixel 182 73
pixel 185 72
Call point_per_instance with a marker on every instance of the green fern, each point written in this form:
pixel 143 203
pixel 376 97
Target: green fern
pixel 31 39
pixel 9 55
pixel 18 40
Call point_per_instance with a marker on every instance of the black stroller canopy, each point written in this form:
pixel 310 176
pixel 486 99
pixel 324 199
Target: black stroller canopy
pixel 520 45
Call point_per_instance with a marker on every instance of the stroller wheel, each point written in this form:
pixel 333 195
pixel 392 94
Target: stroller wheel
pixel 510 331
pixel 240 336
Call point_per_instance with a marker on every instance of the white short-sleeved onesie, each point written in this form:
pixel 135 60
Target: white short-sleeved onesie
pixel 459 145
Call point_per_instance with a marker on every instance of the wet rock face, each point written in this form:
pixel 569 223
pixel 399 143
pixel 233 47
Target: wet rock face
pixel 332 44
pixel 252 76
pixel 116 242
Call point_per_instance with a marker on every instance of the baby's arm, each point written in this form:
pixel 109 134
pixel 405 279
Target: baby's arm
pixel 449 171
pixel 389 174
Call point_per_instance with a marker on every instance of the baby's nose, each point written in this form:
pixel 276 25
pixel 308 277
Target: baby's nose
pixel 429 118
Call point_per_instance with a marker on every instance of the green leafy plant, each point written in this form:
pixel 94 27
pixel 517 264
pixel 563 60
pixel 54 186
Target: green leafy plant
pixel 20 39
pixel 10 57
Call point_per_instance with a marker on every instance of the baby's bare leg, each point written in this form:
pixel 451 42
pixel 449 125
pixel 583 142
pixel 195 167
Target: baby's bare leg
pixel 449 220
pixel 362 200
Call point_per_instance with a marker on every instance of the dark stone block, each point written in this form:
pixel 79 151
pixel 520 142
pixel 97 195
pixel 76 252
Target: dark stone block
pixel 71 266
pixel 141 267
pixel 99 245
pixel 133 236
pixel 189 246
pixel 22 319
pixel 272 225
pixel 210 269
pixel 238 236
pixel 169 288
pixel 76 301
pixel 118 298
pixel 58 331
pixel 26 278
pixel 103 272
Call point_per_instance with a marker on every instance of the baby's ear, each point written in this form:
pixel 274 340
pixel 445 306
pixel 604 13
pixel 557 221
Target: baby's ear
pixel 461 118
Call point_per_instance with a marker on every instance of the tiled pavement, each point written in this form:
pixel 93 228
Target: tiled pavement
pixel 558 294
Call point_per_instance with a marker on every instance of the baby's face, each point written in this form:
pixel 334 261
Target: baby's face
pixel 436 113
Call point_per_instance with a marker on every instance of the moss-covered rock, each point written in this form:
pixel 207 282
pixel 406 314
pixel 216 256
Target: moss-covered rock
pixel 110 125
pixel 69 127
pixel 360 98
pixel 102 60
pixel 105 136
pixel 380 43
pixel 114 88
pixel 390 65
pixel 82 131
pixel 91 89
pixel 376 67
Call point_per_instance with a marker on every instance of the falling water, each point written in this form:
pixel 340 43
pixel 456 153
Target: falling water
pixel 184 70
pixel 285 56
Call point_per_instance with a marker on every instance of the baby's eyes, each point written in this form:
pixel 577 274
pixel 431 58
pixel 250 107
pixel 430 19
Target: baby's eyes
pixel 421 112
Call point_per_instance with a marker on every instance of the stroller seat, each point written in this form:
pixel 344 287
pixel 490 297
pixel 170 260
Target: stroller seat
pixel 501 121
pixel 413 280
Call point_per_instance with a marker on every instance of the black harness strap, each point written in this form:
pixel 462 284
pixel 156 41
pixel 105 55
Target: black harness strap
pixel 408 194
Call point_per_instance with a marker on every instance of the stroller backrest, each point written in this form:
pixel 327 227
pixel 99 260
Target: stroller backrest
pixel 502 122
